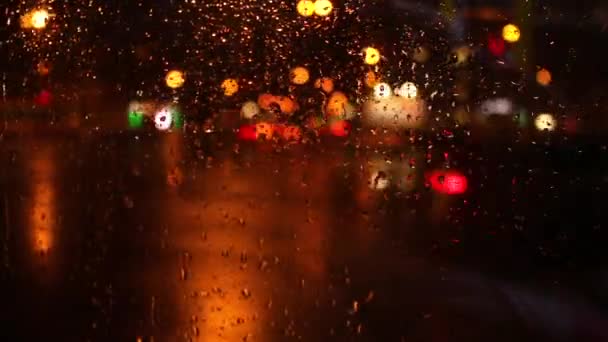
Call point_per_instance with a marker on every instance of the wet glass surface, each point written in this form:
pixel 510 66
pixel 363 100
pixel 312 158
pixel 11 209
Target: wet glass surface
pixel 383 170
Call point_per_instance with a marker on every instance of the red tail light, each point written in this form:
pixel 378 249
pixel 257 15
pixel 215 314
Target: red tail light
pixel 247 132
pixel 448 182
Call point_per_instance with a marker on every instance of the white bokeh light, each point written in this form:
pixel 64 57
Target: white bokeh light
pixel 382 91
pixel 545 122
pixel 408 90
pixel 249 110
pixel 163 119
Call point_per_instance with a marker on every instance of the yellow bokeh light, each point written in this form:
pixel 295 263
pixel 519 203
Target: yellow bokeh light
pixel 337 104
pixel 372 55
pixel 543 77
pixel 39 19
pixel 175 79
pixel 511 33
pixel 230 86
pixel 36 19
pixel 306 8
pixel 299 75
pixel 323 7
pixel 545 122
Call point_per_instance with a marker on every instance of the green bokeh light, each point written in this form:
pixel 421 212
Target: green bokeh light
pixel 136 119
pixel 178 118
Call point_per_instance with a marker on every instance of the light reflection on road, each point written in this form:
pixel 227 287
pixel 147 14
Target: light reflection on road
pixel 42 209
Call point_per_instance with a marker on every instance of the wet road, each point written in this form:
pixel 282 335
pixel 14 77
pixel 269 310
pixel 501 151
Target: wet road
pixel 164 237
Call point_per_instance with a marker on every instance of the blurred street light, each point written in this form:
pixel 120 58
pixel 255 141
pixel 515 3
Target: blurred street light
pixel 36 19
pixel 175 79
pixel 323 8
pixel 511 33
pixel 306 8
pixel 372 55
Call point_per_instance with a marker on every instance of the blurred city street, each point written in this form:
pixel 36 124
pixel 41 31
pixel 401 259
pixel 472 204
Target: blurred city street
pixel 168 236
pixel 303 170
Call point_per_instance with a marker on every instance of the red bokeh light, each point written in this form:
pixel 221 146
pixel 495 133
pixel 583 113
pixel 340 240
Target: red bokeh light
pixel 496 45
pixel 44 98
pixel 340 128
pixel 247 132
pixel 448 182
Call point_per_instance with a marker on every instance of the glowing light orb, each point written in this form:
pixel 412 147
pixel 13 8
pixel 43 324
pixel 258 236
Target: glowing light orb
pixel 370 79
pixel 371 56
pixel 178 118
pixel 306 8
pixel 545 122
pixel 249 110
pixel 339 128
pixel 265 129
pixel 543 77
pixel 40 19
pixel 337 104
pixel 163 119
pixel 43 68
pixel 325 83
pixel 323 8
pixel 36 19
pixel 230 86
pixel 247 132
pixel 136 119
pixel 382 91
pixel 511 33
pixel 175 79
pixel 379 180
pixel 408 90
pixel 299 75
pixel 449 182
pixel 496 45
pixel 44 98
pixel 462 53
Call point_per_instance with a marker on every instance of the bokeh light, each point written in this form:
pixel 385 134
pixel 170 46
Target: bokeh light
pixel 230 86
pixel 337 104
pixel 323 8
pixel 496 45
pixel 545 122
pixel 299 75
pixel 448 182
pixel 511 33
pixel 43 68
pixel 163 119
pixel 247 133
pixel 408 90
pixel 370 79
pixel 175 79
pixel 325 83
pixel 543 77
pixel 249 110
pixel 135 119
pixel 371 55
pixel 382 91
pixel 36 19
pixel 264 129
pixel 306 8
